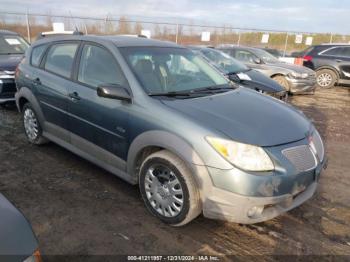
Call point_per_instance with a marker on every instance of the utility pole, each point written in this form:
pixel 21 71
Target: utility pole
pixel 28 28
pixel 285 45
pixel 177 33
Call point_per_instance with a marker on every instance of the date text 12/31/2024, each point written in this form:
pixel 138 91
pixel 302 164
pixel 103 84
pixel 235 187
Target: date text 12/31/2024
pixel 173 258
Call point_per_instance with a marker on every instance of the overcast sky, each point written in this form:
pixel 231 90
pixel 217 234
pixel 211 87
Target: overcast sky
pixel 295 15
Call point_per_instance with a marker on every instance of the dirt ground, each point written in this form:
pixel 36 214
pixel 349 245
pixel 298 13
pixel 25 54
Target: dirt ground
pixel 77 208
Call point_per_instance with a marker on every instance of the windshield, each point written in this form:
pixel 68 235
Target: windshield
pixel 12 44
pixel 223 61
pixel 265 56
pixel 164 70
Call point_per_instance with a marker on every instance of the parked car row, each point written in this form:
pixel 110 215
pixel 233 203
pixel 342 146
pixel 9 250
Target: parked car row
pixel 293 78
pixel 239 73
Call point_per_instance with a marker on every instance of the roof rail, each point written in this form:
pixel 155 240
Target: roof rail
pixel 130 35
pixel 56 33
pixel 226 45
pixel 335 44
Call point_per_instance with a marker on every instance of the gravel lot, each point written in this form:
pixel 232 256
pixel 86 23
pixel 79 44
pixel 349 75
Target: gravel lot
pixel 77 208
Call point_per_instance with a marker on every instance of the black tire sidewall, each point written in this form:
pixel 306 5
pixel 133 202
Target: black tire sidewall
pixel 37 139
pixel 334 78
pixel 186 205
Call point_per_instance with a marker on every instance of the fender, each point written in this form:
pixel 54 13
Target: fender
pixel 164 140
pixel 26 93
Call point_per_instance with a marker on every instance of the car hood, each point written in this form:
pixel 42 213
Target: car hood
pixel 9 62
pixel 262 82
pixel 291 67
pixel 246 116
pixel 16 235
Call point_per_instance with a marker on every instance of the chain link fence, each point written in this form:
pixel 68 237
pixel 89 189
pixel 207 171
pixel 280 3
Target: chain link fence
pixel 30 25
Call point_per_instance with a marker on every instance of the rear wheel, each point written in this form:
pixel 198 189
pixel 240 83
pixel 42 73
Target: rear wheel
pixel 31 125
pixel 282 81
pixel 168 189
pixel 326 78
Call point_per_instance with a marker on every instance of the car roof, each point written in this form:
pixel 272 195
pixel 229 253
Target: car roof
pixel 7 32
pixel 119 41
pixel 334 44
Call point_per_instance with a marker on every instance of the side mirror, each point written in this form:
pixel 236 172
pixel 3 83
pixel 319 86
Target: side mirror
pixel 113 91
pixel 257 60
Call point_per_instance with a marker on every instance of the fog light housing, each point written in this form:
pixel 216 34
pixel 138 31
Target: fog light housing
pixel 255 211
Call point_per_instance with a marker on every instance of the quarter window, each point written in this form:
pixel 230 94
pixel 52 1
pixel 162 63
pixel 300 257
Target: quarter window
pixel 338 51
pixel 37 54
pixel 60 59
pixel 98 66
pixel 345 51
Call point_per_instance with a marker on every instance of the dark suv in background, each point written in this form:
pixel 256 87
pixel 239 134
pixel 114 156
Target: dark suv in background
pixel 330 61
pixel 12 49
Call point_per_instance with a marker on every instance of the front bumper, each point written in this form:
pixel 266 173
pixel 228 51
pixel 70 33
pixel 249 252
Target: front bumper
pixel 236 208
pixel 7 90
pixel 301 85
pixel 239 197
pixel 229 206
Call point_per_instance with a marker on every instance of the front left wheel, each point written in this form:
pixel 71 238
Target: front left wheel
pixel 168 189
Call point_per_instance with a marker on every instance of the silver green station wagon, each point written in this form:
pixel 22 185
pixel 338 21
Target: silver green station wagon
pixel 158 115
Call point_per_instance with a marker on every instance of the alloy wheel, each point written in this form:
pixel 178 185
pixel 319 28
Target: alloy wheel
pixel 164 191
pixel 31 126
pixel 324 80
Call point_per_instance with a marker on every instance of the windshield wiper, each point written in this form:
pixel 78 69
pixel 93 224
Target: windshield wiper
pixel 214 89
pixel 194 92
pixel 171 94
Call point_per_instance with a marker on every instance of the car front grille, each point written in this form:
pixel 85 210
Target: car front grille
pixel 301 157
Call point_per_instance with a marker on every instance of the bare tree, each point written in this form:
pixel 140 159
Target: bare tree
pixel 137 28
pixel 124 26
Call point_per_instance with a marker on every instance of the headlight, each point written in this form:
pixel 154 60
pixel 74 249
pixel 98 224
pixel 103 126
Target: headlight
pixel 298 75
pixel 244 156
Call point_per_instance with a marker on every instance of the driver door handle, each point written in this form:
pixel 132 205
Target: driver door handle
pixel 74 96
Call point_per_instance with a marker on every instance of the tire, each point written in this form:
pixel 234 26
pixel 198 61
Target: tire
pixel 31 125
pixel 326 78
pixel 160 174
pixel 282 81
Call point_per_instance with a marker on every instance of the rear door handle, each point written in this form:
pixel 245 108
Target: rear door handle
pixel 338 60
pixel 37 81
pixel 74 96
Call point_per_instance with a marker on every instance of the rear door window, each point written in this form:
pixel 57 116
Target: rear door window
pixel 60 59
pixel 98 66
pixel 335 51
pixel 37 54
pixel 245 56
